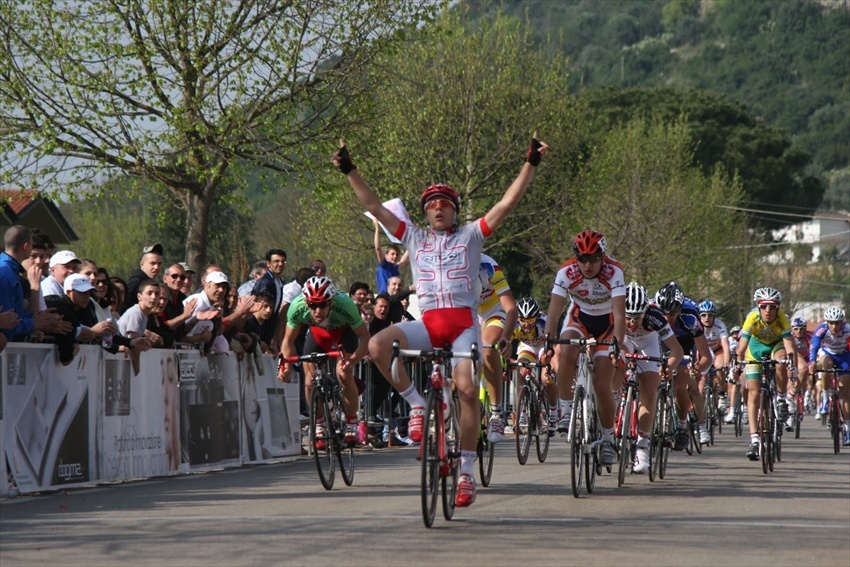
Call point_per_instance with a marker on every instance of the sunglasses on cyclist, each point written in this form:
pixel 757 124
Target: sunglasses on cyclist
pixel 633 316
pixel 799 328
pixel 439 204
pixel 321 305
pixel 768 307
pixel 588 259
pixel 529 321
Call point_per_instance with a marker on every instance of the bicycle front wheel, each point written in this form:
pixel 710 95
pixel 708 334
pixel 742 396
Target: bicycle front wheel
pixel 739 414
pixel 322 447
pixel 542 426
pixel 669 433
pixel 485 449
pixel 625 437
pixel 433 433
pixel 835 422
pixel 344 453
pixel 576 438
pixel 453 458
pixel 710 413
pixel 592 467
pixel 523 428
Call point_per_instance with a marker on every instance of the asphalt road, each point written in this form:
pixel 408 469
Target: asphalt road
pixel 713 509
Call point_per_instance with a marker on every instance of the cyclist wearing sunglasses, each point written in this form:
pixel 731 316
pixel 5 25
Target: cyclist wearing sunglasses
pixel 831 349
pixel 596 287
pixel 445 260
pixel 802 344
pixel 683 316
pixel 718 341
pixel 530 332
pixel 333 319
pixel 646 329
pixel 766 332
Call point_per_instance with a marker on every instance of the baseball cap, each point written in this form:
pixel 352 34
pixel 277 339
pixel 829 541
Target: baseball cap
pixel 186 267
pixel 216 278
pixel 78 282
pixel 155 248
pixel 63 257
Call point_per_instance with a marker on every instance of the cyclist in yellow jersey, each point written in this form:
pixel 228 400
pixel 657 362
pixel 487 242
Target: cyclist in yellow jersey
pixel 766 332
pixel 497 315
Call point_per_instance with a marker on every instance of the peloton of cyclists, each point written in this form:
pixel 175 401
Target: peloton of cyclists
pixel 766 332
pixel 831 349
pixel 646 328
pixel 596 286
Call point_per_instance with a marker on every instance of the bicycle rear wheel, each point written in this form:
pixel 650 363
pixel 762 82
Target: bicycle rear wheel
pixel 762 428
pixel 542 426
pixel 576 438
pixel 432 438
pixel 656 439
pixel 344 453
pixel 524 425
pixel 710 413
pixel 485 449
pixel 739 413
pixel 453 456
pixel 625 437
pixel 322 449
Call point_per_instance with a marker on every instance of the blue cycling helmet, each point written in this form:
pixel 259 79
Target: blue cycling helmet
pixel 798 322
pixel 707 307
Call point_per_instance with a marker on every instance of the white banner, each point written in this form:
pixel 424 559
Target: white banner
pixel 48 416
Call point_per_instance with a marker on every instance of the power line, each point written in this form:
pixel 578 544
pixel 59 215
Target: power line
pixel 763 212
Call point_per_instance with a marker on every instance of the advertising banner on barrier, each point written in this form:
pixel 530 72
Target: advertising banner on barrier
pixel 270 417
pixel 209 410
pixel 140 416
pixel 49 416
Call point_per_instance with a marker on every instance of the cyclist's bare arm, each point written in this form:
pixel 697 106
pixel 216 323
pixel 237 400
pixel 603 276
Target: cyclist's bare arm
pixel 508 303
pixel 287 349
pixel 362 350
pixel 553 314
pixel 676 352
pixel 497 215
pixel 618 307
pixel 342 161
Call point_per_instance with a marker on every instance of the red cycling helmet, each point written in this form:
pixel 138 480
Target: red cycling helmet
pixel 589 243
pixel 437 191
pixel 318 289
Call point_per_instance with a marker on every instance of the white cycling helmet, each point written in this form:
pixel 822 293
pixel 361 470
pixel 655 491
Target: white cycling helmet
pixel 833 314
pixel 767 295
pixel 637 300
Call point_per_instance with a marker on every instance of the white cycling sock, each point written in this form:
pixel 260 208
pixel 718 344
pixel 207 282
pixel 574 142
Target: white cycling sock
pixel 413 397
pixel 467 462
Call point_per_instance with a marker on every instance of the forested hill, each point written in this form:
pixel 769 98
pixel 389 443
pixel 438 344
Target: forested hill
pixel 788 61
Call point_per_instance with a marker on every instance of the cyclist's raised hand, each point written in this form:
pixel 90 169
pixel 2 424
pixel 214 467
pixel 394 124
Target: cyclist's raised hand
pixel 536 150
pixel 342 159
pixel 283 372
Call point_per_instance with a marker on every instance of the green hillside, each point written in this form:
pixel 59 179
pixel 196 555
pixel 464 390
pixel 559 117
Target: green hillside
pixel 787 61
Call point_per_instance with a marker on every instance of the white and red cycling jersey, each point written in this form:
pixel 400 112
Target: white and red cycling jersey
pixel 715 333
pixel 445 264
pixel 592 296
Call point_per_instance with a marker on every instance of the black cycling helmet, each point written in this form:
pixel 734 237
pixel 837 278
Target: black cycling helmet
pixel 528 308
pixel 670 297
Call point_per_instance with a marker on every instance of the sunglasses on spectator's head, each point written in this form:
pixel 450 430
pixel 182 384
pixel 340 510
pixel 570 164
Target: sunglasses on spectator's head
pixel 439 204
pixel 588 259
pixel 321 305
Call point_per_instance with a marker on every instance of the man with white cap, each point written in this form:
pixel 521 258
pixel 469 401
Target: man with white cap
pixel 62 264
pixel 74 299
pixel 215 287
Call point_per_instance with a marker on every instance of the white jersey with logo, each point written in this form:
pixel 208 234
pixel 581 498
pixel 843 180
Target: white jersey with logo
pixel 714 333
pixel 592 296
pixel 446 264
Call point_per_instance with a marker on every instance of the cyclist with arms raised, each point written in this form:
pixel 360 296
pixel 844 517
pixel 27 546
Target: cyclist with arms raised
pixel 766 332
pixel 333 319
pixel 530 333
pixel 445 260
pixel 830 350
pixel 683 316
pixel 646 328
pixel 597 289
pixel 497 315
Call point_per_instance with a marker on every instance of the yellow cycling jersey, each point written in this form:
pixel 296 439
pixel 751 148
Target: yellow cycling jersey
pixel 755 327
pixel 493 283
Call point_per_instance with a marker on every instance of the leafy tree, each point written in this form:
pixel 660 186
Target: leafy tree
pixel 181 93
pixel 771 170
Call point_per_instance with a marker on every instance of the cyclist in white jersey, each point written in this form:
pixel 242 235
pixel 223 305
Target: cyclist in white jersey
pixel 445 260
pixel 530 333
pixel 718 342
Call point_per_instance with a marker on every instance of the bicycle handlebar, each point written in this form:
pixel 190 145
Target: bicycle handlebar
pixel 584 343
pixel 430 354
pixel 313 357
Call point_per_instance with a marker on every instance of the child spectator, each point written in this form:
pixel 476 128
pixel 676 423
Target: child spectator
pixel 389 260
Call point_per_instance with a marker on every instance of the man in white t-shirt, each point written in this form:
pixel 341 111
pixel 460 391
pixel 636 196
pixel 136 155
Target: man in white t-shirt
pixel 206 302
